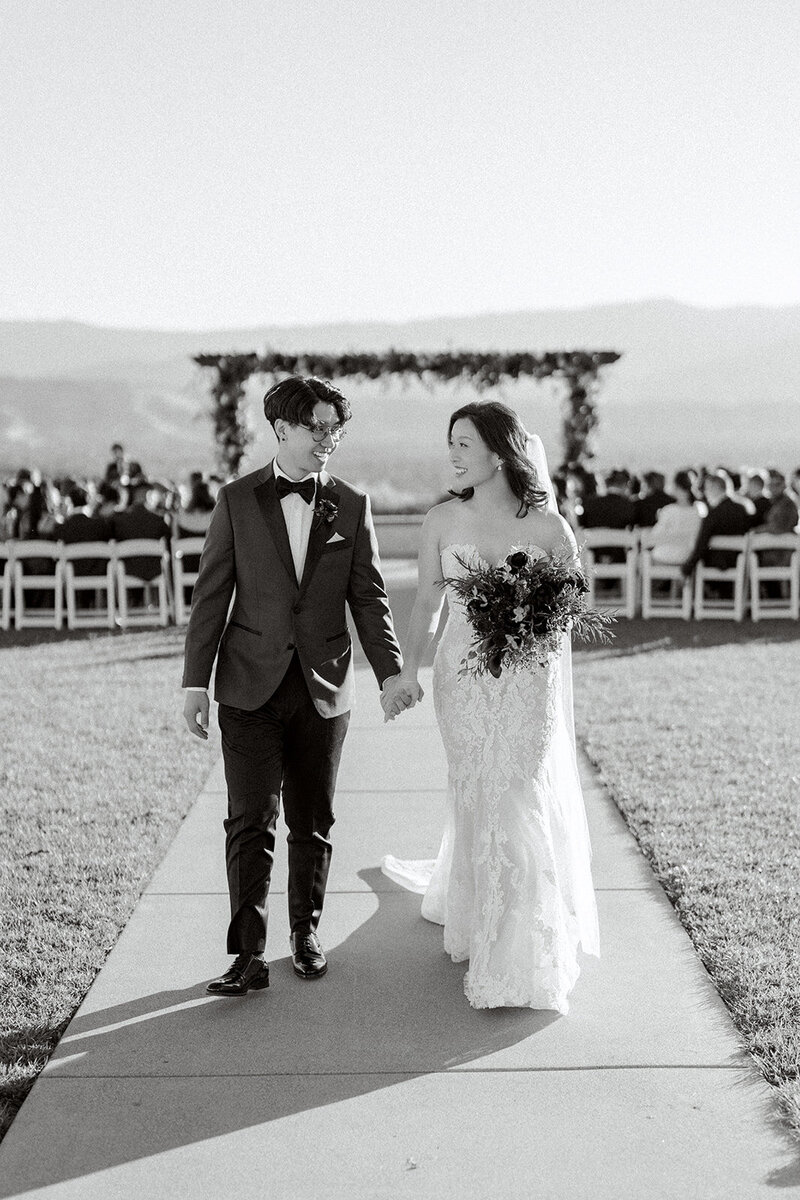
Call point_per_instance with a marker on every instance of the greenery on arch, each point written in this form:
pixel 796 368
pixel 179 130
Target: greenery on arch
pixel 579 370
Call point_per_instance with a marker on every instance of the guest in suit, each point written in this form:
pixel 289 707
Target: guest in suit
pixel 782 515
pixel 755 491
pixel 651 499
pixel 82 524
pixel 727 517
pixel 291 545
pixel 140 521
pixel 611 509
pixel 117 467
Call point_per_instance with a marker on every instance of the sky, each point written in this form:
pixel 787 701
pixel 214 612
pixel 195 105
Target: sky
pixel 197 165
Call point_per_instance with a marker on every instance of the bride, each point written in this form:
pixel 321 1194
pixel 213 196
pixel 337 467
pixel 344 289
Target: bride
pixel 512 881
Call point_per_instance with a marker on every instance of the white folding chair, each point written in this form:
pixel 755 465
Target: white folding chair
pixel 672 595
pixel 38 616
pixel 6 582
pixel 150 611
pixel 622 596
pixel 774 559
pixel 99 588
pixel 182 579
pixel 717 607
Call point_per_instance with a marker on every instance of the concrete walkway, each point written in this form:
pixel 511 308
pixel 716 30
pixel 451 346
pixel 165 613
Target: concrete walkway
pixel 379 1080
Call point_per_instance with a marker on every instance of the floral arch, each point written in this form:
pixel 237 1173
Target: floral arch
pixel 579 369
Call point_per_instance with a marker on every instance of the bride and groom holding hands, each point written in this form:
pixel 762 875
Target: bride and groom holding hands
pixel 292 546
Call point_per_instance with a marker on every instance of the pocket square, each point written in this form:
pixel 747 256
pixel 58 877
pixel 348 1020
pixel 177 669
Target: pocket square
pixel 335 537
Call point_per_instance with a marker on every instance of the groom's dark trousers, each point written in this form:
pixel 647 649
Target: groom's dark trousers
pixel 284 679
pixel 284 747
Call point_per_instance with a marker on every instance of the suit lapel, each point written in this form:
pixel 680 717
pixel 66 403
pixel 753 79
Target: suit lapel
pixel 320 530
pixel 272 513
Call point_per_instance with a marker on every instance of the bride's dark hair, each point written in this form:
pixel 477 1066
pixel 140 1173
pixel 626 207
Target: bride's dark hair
pixel 501 430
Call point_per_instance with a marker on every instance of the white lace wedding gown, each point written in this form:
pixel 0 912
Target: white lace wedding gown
pixel 512 881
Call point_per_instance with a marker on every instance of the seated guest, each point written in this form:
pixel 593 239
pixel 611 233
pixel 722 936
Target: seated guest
pixel 794 486
pixel 610 509
pixel 140 521
pixel 727 517
pixel 782 515
pixel 30 518
pixel 193 517
pixel 82 524
pixel 28 515
pixel 109 499
pixel 578 484
pixel 613 509
pixel 52 511
pixel 127 483
pixel 651 499
pixel 677 524
pixel 755 491
pixel 197 504
pixel 160 500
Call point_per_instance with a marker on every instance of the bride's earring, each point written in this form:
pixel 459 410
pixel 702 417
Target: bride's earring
pixel 499 467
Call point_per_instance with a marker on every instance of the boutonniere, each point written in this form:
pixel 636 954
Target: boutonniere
pixel 326 511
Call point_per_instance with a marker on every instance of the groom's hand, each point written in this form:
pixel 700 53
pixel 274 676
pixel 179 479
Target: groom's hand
pixel 398 694
pixel 195 713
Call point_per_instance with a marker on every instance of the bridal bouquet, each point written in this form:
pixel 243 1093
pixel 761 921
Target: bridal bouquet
pixel 521 609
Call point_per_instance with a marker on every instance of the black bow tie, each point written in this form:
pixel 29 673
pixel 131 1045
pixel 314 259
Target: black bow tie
pixel 305 488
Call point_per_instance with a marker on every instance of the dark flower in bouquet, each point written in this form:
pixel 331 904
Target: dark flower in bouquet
pixel 520 611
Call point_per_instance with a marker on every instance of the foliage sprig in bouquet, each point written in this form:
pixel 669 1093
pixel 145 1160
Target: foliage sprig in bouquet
pixel 521 609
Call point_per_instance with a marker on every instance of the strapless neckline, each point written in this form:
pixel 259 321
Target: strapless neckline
pixel 485 561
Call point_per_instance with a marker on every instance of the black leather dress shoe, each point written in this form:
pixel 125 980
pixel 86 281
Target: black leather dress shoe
pixel 307 957
pixel 245 972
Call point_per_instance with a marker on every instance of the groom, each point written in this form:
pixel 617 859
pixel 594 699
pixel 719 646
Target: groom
pixel 291 545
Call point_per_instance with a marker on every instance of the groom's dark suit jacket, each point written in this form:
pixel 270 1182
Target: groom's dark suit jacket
pixel 247 556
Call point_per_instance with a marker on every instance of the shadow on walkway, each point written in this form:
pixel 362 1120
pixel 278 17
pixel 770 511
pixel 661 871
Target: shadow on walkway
pixel 391 1008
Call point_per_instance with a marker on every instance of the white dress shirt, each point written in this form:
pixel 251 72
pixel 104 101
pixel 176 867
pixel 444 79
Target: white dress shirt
pixel 298 517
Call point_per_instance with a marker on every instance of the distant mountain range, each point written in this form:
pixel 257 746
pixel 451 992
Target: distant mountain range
pixel 710 385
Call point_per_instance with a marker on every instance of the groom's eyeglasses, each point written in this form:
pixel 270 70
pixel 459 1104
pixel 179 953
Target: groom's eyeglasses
pixel 319 431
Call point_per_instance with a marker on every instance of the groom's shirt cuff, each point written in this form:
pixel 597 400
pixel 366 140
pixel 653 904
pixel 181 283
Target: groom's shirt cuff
pixel 195 689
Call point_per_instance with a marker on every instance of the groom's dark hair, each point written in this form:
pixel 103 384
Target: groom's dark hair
pixel 294 399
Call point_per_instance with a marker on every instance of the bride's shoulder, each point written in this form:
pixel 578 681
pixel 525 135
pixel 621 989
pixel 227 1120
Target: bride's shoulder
pixel 553 530
pixel 440 515
pixel 440 522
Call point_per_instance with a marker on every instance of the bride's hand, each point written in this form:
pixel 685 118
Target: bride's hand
pixel 398 694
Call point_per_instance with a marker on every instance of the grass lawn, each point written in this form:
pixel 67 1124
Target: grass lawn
pixel 97 771
pixel 694 730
